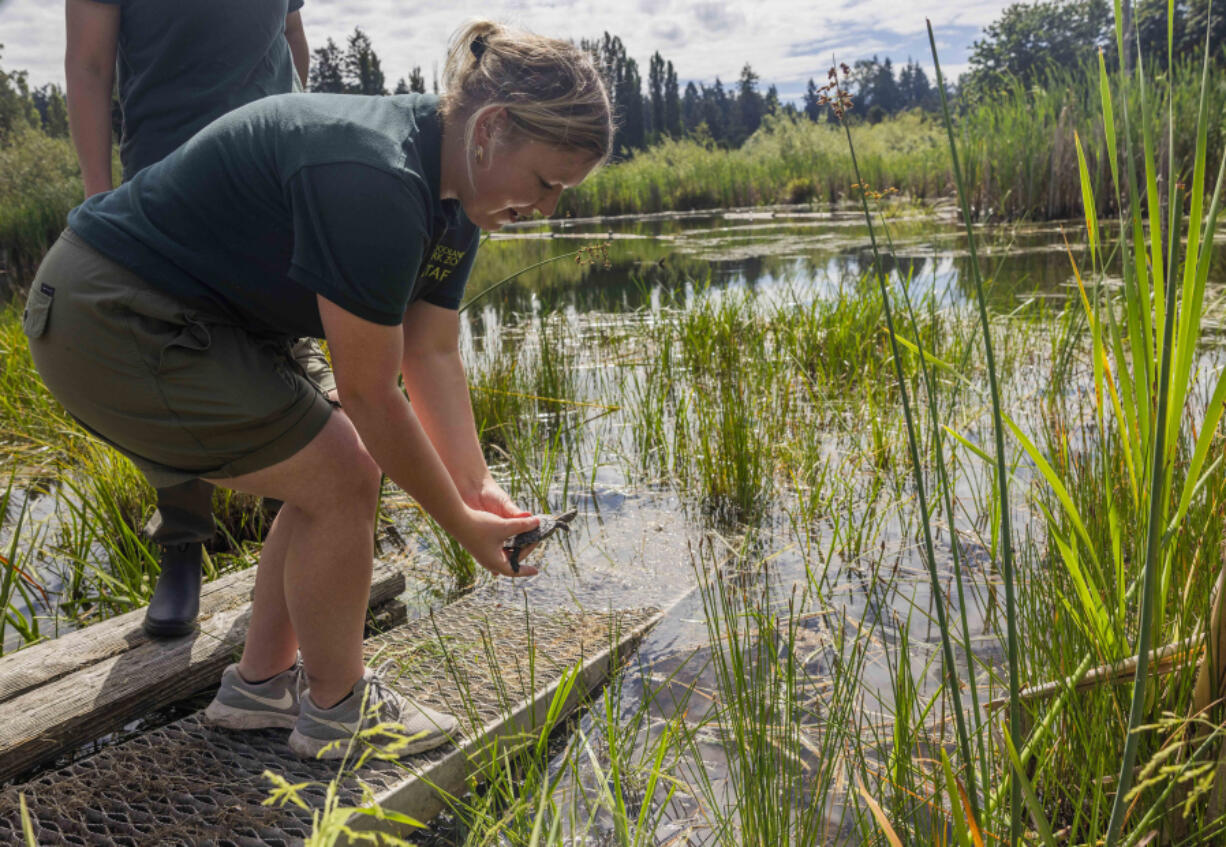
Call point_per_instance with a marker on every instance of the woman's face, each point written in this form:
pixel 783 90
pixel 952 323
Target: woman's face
pixel 513 179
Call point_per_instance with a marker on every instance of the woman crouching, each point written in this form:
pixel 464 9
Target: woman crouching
pixel 161 320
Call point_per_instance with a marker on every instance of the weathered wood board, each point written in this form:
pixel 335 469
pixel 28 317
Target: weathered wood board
pixel 94 681
pixel 495 666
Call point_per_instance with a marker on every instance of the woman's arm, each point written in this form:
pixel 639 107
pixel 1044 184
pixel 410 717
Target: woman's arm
pixel 89 69
pixel 299 50
pixel 366 357
pixel 434 377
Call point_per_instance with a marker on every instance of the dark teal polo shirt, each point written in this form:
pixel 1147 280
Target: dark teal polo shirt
pixel 289 197
pixel 183 63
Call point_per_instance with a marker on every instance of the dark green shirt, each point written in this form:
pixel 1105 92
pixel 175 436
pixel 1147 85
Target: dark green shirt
pixel 289 197
pixel 182 64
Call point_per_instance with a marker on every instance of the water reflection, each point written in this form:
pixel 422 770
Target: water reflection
pixel 776 254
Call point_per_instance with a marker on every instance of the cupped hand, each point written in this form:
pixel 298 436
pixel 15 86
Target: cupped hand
pixel 484 537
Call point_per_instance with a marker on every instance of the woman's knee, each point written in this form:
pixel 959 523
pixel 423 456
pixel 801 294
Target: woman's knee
pixel 354 484
pixel 363 479
pixel 336 475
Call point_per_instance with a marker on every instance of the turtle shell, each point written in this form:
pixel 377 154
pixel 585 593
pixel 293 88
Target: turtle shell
pixel 549 524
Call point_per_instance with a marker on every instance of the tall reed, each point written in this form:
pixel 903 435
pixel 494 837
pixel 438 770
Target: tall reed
pixel 1002 464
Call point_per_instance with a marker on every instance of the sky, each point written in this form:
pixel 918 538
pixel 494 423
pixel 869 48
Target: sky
pixel 786 41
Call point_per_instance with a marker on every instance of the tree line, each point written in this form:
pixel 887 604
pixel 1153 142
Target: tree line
pixel 721 115
pixel 1031 40
pixel 22 107
pixel 1022 47
pixel 357 69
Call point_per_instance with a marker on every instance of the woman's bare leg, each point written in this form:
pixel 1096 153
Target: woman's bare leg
pixel 314 579
pixel 271 638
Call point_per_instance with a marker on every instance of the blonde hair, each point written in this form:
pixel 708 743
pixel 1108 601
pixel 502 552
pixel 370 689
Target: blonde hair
pixel 550 89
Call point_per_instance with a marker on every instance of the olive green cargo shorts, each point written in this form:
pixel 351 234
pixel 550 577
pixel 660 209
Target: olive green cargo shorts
pixel 182 394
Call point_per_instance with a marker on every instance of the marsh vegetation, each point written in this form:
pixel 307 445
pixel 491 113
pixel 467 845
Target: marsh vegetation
pixel 898 489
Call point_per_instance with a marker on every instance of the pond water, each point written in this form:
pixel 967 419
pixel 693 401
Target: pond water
pixel 782 252
pixel 639 543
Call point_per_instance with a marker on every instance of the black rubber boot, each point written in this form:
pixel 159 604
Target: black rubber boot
pixel 176 598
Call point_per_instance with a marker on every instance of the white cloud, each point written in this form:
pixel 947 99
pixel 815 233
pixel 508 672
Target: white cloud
pixel 786 41
pixel 719 19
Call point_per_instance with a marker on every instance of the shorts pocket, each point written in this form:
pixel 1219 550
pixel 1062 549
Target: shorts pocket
pixel 194 337
pixel 38 310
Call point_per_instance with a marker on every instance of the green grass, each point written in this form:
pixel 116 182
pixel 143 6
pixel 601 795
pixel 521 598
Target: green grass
pixel 784 162
pixel 849 621
pixel 1018 154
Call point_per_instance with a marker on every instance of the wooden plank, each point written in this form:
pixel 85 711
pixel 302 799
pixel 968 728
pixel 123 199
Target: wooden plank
pixel 186 783
pixel 106 694
pixel 47 661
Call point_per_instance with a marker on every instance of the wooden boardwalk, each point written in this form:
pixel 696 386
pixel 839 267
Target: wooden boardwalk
pixel 60 693
pixel 496 667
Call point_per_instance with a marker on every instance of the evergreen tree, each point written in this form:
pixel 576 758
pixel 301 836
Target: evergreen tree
pixel 691 108
pixel 327 69
pixel 917 92
pixel 402 87
pixel 52 110
pixel 715 112
pixel 750 106
pixel 877 92
pixel 886 93
pixel 417 81
pixel 813 109
pixel 672 103
pixel 864 77
pixel 363 71
pixel 655 88
pixel 770 104
pixel 631 97
pixel 625 86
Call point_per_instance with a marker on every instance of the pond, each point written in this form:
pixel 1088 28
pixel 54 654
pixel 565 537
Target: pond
pixel 594 390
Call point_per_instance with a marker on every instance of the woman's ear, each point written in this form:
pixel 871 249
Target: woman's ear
pixel 491 127
pixel 492 131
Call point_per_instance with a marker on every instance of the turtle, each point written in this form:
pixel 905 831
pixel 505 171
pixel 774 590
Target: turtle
pixel 548 526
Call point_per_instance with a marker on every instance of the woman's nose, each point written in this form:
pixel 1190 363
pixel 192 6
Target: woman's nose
pixel 548 204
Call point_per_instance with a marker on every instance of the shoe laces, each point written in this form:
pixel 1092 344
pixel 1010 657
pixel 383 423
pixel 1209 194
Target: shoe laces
pixel 381 693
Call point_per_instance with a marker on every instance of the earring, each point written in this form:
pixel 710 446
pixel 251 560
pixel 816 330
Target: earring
pixel 480 152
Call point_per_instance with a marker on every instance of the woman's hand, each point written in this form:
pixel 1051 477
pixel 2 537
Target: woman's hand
pixel 491 498
pixel 485 534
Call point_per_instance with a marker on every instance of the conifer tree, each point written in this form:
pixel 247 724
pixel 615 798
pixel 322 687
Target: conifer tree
pixel 813 109
pixel 363 71
pixel 691 108
pixel 327 69
pixel 672 103
pixel 655 89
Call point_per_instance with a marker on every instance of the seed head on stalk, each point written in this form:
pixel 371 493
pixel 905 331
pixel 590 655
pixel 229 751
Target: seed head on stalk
pixel 594 254
pixel 834 93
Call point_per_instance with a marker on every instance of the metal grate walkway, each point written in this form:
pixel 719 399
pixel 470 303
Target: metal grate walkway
pixel 189 784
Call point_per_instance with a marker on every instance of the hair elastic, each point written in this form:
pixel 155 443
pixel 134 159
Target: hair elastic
pixel 478 47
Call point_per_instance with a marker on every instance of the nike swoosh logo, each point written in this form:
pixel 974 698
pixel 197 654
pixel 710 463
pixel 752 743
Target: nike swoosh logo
pixel 283 702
